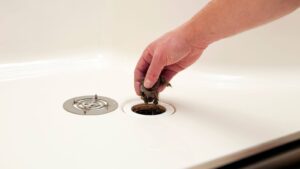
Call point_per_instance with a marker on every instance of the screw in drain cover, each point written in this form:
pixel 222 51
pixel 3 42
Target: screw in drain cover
pixel 90 105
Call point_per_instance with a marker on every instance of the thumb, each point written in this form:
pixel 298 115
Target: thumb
pixel 156 66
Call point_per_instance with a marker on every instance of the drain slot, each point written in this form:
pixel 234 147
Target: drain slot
pixel 139 109
pixel 148 109
pixel 90 105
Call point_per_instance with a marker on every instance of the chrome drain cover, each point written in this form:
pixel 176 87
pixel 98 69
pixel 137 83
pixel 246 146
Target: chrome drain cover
pixel 90 105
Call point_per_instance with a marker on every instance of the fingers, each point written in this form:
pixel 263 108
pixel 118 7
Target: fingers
pixel 168 75
pixel 140 70
pixel 154 70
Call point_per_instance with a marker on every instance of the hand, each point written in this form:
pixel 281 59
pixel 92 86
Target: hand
pixel 219 19
pixel 168 55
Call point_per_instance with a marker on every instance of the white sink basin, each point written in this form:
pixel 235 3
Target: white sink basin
pixel 244 91
pixel 216 114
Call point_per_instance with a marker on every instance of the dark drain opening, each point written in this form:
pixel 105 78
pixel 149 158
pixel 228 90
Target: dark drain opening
pixel 148 109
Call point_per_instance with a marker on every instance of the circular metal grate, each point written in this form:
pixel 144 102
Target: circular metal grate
pixel 90 105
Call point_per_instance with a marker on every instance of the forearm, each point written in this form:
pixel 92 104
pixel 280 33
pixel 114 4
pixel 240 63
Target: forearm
pixel 223 18
pixel 178 49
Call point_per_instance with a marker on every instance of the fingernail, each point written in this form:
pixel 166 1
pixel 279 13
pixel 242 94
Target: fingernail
pixel 147 83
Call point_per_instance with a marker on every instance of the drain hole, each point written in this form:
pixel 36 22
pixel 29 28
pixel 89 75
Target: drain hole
pixel 148 109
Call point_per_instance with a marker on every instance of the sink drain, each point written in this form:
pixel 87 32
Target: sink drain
pixel 148 109
pixel 90 105
pixel 138 108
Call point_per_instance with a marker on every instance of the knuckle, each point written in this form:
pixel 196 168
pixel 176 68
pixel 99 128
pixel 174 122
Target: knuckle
pixel 137 72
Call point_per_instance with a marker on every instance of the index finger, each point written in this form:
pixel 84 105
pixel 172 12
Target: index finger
pixel 141 70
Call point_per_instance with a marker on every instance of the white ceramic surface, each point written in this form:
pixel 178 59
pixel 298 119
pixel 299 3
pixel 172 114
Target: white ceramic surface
pixel 244 90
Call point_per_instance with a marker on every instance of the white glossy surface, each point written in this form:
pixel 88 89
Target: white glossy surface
pixel 244 91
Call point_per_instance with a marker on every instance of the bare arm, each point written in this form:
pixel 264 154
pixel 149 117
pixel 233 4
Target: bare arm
pixel 223 18
pixel 179 48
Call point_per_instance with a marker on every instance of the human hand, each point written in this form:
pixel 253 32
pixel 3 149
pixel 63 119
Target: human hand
pixel 168 55
pixel 219 19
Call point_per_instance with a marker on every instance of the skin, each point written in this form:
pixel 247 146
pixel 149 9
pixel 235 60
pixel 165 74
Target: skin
pixel 181 47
